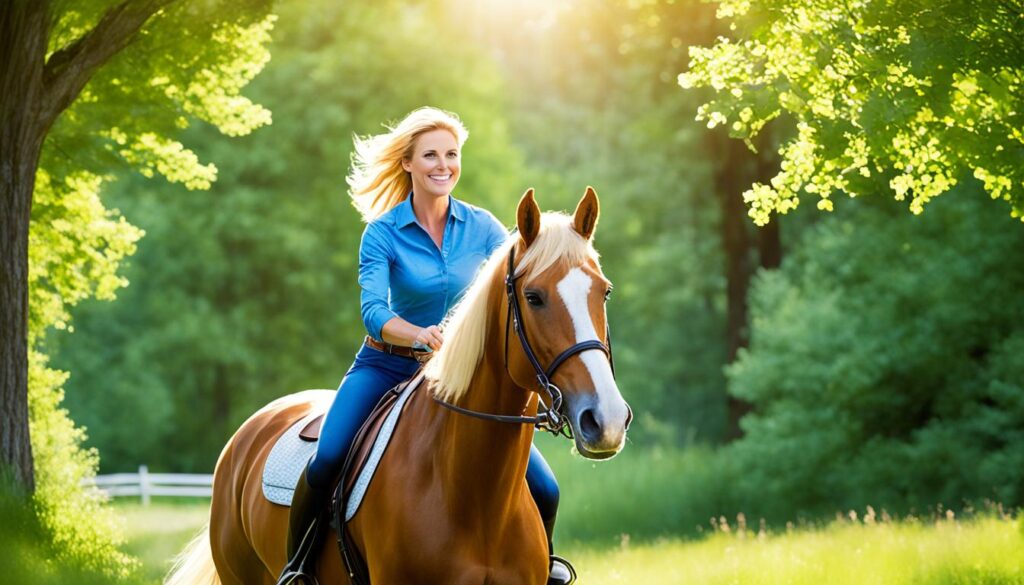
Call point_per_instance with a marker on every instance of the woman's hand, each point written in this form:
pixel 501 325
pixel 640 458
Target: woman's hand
pixel 430 337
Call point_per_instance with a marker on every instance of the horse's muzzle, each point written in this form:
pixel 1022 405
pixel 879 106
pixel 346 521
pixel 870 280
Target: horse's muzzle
pixel 599 429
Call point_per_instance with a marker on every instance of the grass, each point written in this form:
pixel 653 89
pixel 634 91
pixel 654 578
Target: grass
pixel 982 551
pixel 158 532
pixel 985 551
pixel 644 518
pixel 646 492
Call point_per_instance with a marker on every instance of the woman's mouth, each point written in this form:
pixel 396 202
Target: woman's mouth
pixel 440 179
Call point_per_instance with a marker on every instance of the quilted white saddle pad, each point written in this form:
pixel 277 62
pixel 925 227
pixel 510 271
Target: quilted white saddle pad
pixel 287 459
pixel 289 455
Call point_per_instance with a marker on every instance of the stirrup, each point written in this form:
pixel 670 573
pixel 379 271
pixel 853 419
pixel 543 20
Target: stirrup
pixel 566 574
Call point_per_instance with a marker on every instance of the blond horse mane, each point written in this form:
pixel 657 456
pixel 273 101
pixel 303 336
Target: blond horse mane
pixel 465 328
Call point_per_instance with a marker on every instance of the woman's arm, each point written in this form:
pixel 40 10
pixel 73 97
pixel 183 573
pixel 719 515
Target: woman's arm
pixel 375 257
pixel 398 331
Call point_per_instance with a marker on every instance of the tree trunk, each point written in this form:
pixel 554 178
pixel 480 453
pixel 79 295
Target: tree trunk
pixel 770 244
pixel 23 32
pixel 731 179
pixel 33 93
pixel 739 168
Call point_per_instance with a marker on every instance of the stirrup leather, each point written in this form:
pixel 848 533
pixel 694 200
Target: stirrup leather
pixel 301 568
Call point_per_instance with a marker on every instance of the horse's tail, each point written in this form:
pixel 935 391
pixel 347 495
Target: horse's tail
pixel 194 566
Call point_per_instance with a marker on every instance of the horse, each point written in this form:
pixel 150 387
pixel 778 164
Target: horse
pixel 449 502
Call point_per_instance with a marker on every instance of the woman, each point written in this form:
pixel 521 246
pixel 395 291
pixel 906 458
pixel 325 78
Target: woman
pixel 419 252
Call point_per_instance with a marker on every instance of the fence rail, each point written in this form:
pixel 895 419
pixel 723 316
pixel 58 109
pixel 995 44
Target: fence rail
pixel 145 484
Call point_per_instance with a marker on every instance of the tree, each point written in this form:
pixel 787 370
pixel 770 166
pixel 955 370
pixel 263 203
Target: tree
pixel 888 371
pixel 85 86
pixel 737 167
pixel 901 95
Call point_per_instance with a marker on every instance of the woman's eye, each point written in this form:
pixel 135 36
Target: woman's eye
pixel 534 299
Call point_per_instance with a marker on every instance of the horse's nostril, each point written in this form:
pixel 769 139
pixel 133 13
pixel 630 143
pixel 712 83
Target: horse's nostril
pixel 588 425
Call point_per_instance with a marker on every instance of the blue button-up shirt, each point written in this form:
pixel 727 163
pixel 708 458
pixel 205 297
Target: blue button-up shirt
pixel 403 273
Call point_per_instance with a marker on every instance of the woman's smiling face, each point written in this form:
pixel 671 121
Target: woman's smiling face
pixel 435 163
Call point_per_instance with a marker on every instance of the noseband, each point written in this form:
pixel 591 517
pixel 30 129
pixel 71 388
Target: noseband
pixel 551 417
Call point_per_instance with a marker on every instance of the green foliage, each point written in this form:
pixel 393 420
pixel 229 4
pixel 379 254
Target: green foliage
pixel 75 249
pixel 596 104
pixel 252 294
pixel 883 92
pixel 28 554
pixel 881 366
pixel 644 492
pixel 886 370
pixel 83 531
pixel 188 63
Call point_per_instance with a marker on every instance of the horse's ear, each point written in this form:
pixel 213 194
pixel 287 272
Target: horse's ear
pixel 528 217
pixel 585 218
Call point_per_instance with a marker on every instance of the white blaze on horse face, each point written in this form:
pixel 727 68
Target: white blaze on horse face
pixel 574 288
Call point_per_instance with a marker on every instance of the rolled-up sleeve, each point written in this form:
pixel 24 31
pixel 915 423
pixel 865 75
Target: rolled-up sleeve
pixel 375 257
pixel 496 234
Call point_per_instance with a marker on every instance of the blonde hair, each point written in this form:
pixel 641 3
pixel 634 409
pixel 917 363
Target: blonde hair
pixel 377 181
pixel 465 328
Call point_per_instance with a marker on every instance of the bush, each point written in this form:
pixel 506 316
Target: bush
pixel 28 553
pixel 887 363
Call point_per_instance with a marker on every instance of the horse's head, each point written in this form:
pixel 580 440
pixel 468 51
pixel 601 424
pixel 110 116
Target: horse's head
pixel 560 291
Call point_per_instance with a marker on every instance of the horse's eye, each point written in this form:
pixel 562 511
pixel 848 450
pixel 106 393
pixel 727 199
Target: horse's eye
pixel 607 294
pixel 534 299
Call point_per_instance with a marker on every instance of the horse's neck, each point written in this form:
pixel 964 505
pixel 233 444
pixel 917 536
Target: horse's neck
pixel 484 461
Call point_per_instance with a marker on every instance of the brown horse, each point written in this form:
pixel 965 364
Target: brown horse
pixel 449 502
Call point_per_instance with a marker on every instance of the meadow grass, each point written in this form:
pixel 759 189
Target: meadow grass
pixel 158 532
pixel 646 517
pixel 985 550
pixel 980 551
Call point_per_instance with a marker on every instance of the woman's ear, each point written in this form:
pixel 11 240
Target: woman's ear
pixel 407 165
pixel 587 211
pixel 528 217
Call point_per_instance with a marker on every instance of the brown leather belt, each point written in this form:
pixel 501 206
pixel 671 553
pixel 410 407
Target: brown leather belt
pixel 417 354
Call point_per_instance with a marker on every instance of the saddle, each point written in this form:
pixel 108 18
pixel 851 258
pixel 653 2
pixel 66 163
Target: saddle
pixel 367 449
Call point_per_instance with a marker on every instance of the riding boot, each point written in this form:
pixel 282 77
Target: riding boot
pixel 560 571
pixel 305 525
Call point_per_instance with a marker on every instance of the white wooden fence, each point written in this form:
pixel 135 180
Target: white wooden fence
pixel 145 484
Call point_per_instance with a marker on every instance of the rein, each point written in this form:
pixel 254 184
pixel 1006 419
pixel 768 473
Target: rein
pixel 551 418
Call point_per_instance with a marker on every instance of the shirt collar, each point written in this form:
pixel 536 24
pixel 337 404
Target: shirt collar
pixel 456 208
pixel 404 214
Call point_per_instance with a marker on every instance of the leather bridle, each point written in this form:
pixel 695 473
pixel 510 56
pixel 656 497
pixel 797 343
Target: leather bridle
pixel 550 417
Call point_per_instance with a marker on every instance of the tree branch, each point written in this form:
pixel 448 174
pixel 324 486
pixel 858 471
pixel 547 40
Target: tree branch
pixel 70 68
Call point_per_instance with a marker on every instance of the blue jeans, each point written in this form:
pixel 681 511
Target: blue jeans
pixel 372 374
